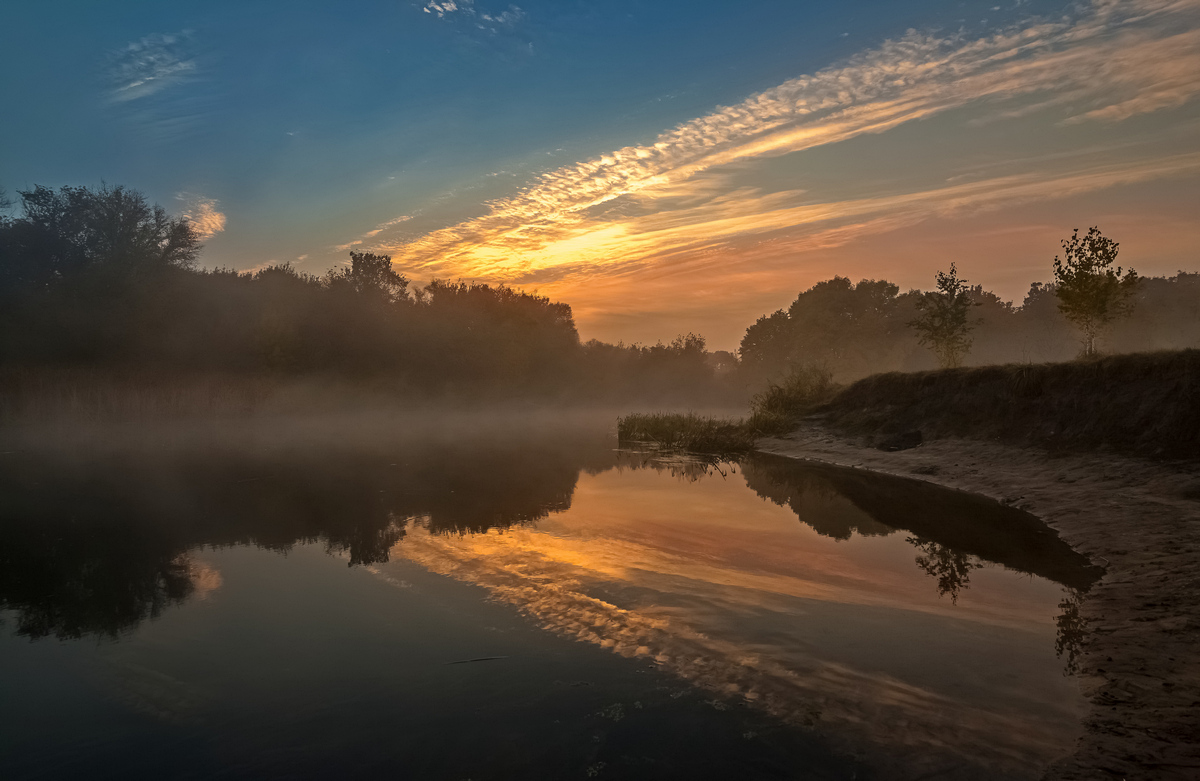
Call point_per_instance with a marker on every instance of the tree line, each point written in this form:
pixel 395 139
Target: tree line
pixel 850 330
pixel 99 277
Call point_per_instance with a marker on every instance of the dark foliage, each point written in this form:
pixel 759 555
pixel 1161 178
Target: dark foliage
pixel 838 502
pixel 944 324
pixel 1145 403
pixel 96 546
pixel 1091 293
pixel 853 331
pixel 99 278
pixel 686 431
pixel 843 328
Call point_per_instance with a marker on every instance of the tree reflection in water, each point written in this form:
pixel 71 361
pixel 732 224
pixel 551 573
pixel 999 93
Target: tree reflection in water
pixel 950 568
pixel 95 546
pixel 1071 630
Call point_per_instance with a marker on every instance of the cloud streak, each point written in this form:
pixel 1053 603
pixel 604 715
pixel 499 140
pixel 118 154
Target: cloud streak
pixel 150 65
pixel 1115 60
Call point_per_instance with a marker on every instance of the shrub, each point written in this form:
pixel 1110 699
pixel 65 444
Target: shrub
pixel 777 408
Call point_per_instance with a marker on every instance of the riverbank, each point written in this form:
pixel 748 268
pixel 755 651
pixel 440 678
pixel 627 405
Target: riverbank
pixel 1140 519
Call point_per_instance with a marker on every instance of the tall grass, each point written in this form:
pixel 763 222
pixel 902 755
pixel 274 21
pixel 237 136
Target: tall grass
pixel 779 407
pixel 775 410
pixel 686 431
pixel 92 395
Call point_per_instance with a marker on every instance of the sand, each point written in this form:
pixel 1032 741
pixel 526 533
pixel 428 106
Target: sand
pixel 1140 520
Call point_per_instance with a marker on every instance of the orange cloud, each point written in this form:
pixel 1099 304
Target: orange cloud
pixel 202 213
pixel 1114 61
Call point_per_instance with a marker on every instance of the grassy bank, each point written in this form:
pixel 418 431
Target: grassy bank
pixel 1145 403
pixel 773 411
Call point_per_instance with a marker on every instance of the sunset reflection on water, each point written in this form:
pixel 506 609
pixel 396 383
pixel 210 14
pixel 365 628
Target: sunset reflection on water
pixel 708 580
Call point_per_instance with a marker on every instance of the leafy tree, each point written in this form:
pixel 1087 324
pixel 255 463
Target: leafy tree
pixel 111 227
pixel 371 275
pixel 851 330
pixel 767 344
pixel 944 324
pixel 1090 292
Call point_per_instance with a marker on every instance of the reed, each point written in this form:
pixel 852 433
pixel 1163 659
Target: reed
pixel 686 431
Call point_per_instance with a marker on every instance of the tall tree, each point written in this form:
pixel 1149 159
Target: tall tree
pixel 944 324
pixel 1090 292
pixel 371 275
pixel 108 233
pixel 850 330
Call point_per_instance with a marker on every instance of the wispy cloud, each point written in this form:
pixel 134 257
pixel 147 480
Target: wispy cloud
pixel 1114 60
pixel 385 225
pixel 150 65
pixel 202 213
pixel 465 10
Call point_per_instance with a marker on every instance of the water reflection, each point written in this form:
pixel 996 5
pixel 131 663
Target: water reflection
pixel 951 529
pixel 95 546
pixel 824 622
pixel 841 638
pixel 1071 631
pixel 950 568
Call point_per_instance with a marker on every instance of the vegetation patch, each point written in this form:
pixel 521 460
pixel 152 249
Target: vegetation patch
pixel 686 431
pixel 778 408
pixel 775 410
pixel 1146 403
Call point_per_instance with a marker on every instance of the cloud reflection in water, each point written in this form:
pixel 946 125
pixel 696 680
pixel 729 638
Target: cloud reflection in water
pixel 829 625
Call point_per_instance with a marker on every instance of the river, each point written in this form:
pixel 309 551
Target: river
pixel 522 607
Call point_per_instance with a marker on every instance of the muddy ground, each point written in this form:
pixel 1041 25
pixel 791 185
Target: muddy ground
pixel 1139 519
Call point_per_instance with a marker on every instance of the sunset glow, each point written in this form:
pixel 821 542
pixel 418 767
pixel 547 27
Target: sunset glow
pixel 979 135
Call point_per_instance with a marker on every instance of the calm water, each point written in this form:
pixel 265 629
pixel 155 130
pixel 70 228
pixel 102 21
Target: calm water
pixel 521 609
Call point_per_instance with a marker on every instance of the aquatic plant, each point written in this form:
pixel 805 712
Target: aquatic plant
pixel 686 431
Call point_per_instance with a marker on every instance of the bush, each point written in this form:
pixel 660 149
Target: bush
pixel 778 408
pixel 686 431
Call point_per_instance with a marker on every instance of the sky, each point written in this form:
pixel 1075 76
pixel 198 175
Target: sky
pixel 663 167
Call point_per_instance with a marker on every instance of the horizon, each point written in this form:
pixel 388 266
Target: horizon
pixel 661 171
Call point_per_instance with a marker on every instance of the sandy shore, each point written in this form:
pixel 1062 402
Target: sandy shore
pixel 1140 520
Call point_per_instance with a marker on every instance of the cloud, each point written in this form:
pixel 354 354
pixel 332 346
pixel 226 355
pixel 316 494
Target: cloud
pixel 1115 60
pixel 385 225
pixel 150 65
pixel 203 215
pixel 465 11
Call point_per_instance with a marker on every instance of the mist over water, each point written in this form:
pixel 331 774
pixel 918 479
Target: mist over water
pixel 279 600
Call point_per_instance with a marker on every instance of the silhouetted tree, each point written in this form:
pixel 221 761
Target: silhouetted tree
pixel 371 275
pixel 848 329
pixel 944 324
pixel 111 229
pixel 1090 292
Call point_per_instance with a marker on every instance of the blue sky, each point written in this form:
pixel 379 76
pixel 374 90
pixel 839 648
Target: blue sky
pixel 517 142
